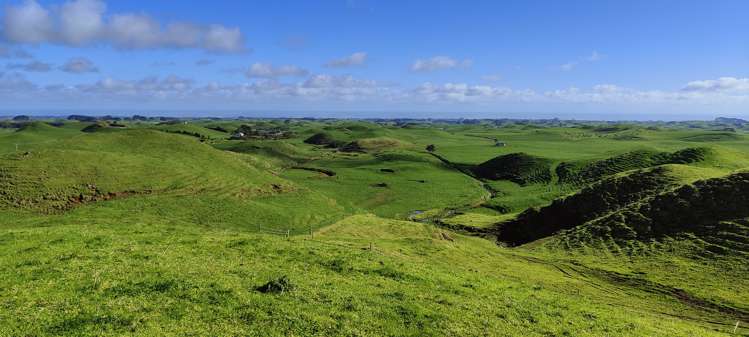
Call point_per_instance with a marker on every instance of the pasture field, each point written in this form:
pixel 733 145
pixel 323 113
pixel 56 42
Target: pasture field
pixel 373 228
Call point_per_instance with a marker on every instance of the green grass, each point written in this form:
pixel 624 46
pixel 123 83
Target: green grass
pixel 172 230
pixel 477 219
pixel 418 182
pixel 144 278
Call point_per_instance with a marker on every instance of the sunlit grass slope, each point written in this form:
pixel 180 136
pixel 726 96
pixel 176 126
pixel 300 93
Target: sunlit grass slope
pixel 169 174
pixel 144 276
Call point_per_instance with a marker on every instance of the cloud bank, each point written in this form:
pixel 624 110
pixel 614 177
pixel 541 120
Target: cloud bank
pixel 266 87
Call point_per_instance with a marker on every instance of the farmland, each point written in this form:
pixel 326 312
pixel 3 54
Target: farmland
pixel 371 228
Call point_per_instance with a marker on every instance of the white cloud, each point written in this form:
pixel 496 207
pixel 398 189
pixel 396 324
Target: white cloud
pixel 266 70
pixel 33 66
pixel 721 91
pixel 81 21
pixel 14 84
pixel 329 88
pixel 79 65
pixel 84 22
pixel 27 23
pixel 173 88
pixel 723 84
pixel 462 92
pixel 437 63
pixel 220 38
pixel 609 93
pixel 355 59
pixel 329 81
pixel 150 87
pixel 134 31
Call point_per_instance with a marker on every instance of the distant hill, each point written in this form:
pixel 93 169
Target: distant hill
pixel 520 168
pixel 728 120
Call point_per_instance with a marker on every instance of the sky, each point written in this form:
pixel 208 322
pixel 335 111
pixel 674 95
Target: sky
pixel 597 59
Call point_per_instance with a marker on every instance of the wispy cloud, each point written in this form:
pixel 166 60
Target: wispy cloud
pixel 355 59
pixel 267 70
pixel 594 56
pixel 79 65
pixel 33 66
pixel 438 63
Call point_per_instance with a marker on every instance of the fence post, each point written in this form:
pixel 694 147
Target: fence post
pixel 310 233
pixel 287 234
pixel 370 246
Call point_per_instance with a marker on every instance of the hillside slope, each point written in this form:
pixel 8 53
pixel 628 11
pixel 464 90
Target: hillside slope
pixel 103 165
pixel 94 275
pixel 713 211
pixel 591 202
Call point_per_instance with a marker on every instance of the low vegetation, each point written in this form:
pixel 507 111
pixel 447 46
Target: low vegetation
pixel 161 226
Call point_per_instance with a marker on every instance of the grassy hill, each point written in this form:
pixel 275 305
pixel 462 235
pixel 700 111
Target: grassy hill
pixel 172 229
pixel 151 276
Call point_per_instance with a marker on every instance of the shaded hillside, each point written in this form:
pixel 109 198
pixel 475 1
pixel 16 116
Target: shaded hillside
pixel 712 210
pixel 102 126
pixel 34 127
pixel 322 138
pixel 574 173
pixel 520 168
pixel 591 202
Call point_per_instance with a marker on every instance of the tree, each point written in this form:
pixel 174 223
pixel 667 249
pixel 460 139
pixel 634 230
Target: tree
pixel 21 118
pixel 431 148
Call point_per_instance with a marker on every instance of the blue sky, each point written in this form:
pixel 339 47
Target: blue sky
pixel 359 58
